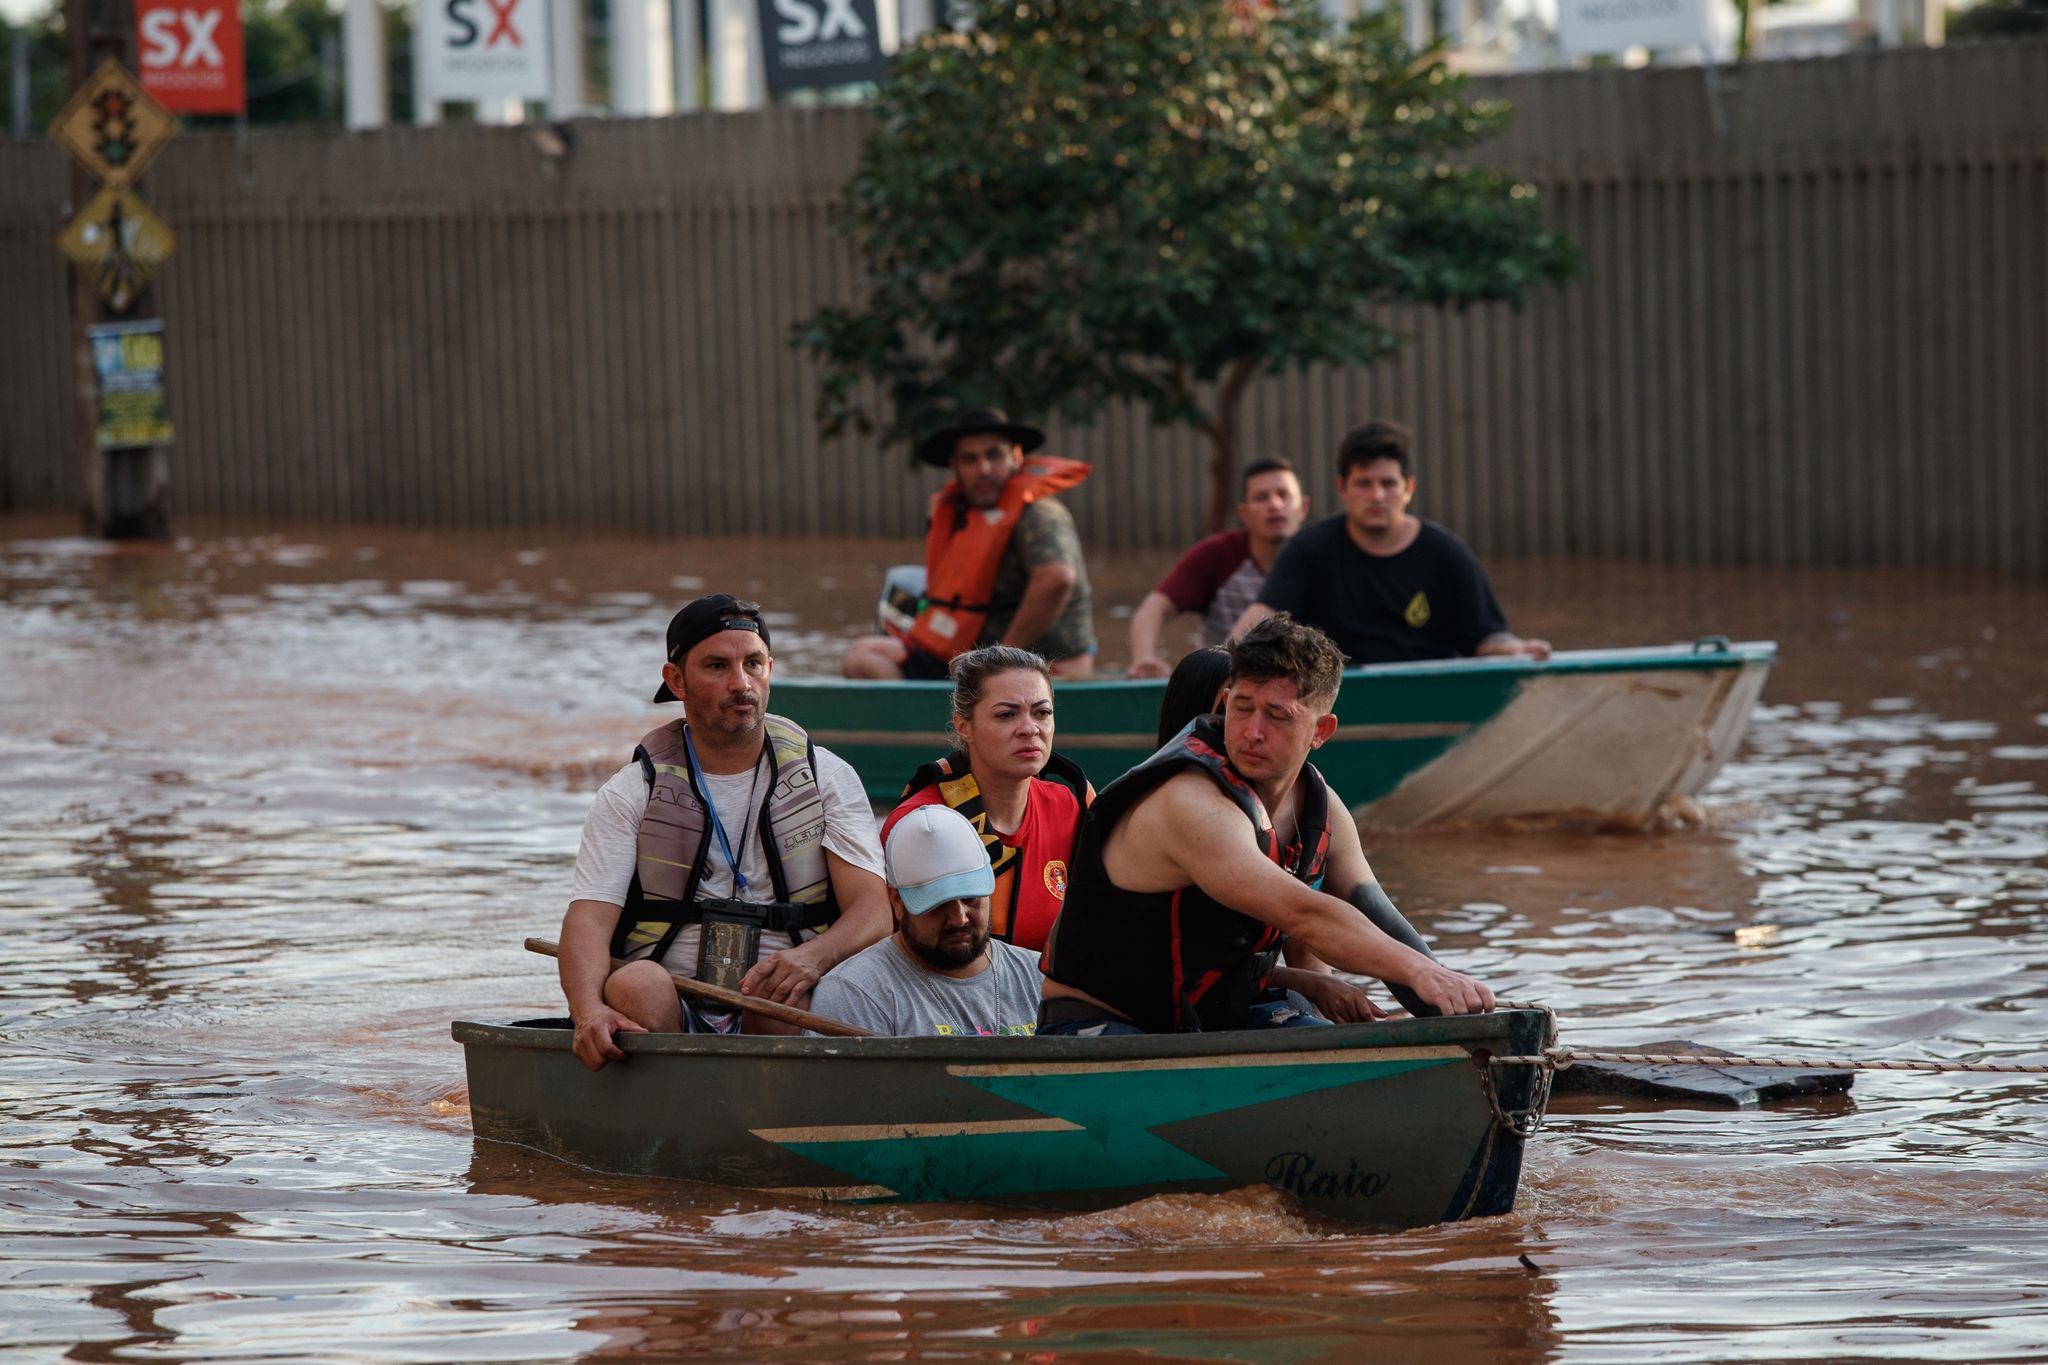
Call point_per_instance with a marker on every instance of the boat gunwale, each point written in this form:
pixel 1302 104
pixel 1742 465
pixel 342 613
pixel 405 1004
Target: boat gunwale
pixel 1687 657
pixel 1463 1031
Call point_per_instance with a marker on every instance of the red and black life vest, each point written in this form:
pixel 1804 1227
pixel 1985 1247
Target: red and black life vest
pixel 1031 879
pixel 963 549
pixel 1178 961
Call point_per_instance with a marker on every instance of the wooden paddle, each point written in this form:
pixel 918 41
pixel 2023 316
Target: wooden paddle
pixel 732 1000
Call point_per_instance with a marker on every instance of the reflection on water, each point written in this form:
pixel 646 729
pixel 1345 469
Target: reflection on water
pixel 279 806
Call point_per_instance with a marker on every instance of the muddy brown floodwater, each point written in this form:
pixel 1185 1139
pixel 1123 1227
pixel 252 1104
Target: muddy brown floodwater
pixel 276 806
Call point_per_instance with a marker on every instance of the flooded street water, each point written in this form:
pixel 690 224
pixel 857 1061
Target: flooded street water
pixel 278 806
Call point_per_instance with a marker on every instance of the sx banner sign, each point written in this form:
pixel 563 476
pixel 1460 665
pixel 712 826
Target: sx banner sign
pixel 819 42
pixel 191 54
pixel 486 49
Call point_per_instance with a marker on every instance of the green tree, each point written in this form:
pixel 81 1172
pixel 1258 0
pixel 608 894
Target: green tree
pixel 1079 201
pixel 48 82
pixel 286 51
pixel 1999 19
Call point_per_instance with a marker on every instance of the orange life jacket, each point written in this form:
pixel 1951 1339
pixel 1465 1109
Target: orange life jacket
pixel 964 547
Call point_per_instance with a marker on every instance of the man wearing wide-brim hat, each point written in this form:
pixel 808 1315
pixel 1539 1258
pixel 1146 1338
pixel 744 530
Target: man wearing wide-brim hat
pixel 1002 558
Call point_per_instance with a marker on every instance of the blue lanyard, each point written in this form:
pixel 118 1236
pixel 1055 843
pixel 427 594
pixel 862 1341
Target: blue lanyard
pixel 739 878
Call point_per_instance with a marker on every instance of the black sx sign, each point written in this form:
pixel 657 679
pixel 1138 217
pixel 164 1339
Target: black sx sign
pixel 820 42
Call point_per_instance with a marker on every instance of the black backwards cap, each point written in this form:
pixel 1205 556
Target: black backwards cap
pixel 704 618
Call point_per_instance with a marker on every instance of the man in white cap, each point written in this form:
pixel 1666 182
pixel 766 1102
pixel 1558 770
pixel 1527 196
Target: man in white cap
pixel 940 972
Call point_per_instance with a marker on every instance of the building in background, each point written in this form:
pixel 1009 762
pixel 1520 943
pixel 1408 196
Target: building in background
pixel 366 62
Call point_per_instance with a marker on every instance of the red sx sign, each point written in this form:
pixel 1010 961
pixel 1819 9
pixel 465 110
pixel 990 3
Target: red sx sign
pixel 192 54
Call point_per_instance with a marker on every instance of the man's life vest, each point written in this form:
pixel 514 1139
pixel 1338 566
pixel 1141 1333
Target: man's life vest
pixel 676 842
pixel 1031 879
pixel 1178 961
pixel 963 548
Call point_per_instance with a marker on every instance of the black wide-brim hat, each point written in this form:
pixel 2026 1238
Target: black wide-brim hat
pixel 937 448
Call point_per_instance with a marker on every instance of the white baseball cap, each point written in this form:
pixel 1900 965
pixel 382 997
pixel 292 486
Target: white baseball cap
pixel 934 855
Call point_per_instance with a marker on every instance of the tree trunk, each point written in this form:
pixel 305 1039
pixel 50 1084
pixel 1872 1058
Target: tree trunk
pixel 1222 458
pixel 1222 433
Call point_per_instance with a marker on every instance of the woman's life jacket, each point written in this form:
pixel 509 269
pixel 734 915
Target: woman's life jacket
pixel 676 842
pixel 963 549
pixel 1178 961
pixel 1031 877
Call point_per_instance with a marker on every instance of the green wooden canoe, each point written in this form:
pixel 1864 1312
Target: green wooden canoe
pixel 1395 1124
pixel 1618 736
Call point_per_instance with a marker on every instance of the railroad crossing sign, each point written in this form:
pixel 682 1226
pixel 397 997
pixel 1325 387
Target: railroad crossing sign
pixel 113 127
pixel 119 244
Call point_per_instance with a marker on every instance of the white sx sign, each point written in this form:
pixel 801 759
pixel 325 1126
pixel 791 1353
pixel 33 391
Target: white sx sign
pixel 1589 27
pixel 485 49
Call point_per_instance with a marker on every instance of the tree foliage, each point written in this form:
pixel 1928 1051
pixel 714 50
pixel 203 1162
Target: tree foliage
pixel 1078 201
pixel 1999 19
pixel 48 79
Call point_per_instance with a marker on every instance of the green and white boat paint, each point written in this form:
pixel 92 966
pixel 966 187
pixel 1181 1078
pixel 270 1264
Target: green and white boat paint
pixel 1394 1124
pixel 1616 736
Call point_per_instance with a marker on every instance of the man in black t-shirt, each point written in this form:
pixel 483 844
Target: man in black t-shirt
pixel 1386 586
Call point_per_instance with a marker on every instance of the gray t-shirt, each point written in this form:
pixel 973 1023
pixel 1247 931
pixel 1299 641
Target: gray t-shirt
pixel 885 990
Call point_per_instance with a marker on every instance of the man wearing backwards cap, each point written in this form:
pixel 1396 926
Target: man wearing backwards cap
pixel 1002 560
pixel 940 972
pixel 762 887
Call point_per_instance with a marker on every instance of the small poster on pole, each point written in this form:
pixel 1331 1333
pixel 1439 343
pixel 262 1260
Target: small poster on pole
pixel 192 54
pixel 820 43
pixel 486 49
pixel 129 359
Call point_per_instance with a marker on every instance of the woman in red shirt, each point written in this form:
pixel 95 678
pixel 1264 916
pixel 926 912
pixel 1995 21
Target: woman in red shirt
pixel 1004 777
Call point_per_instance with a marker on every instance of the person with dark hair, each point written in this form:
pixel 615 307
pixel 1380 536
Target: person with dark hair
pixel 1221 575
pixel 1193 690
pixel 730 848
pixel 1002 559
pixel 1385 585
pixel 1197 866
pixel 1023 799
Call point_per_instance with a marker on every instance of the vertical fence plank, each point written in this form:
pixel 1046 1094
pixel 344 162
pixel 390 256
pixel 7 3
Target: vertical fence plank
pixel 1786 321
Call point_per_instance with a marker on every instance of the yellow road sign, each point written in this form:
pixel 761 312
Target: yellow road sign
pixel 113 126
pixel 119 243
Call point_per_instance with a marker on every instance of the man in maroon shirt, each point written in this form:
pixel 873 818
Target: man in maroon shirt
pixel 1220 576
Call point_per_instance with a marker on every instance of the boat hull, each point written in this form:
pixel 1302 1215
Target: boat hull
pixel 1620 736
pixel 1396 1124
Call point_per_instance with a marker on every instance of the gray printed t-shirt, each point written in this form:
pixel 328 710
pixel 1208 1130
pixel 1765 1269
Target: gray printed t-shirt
pixel 885 990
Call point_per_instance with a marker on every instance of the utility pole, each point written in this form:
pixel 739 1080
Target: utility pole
pixel 125 493
pixel 20 58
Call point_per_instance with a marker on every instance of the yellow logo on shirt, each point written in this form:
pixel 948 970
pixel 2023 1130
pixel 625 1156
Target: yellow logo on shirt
pixel 1417 614
pixel 1056 879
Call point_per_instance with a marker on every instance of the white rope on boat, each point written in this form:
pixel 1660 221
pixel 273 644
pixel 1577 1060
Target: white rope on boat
pixel 1558 1058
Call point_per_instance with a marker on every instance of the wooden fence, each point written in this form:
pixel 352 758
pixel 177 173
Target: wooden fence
pixel 1813 329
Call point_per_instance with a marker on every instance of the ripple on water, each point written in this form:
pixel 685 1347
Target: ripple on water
pixel 343 774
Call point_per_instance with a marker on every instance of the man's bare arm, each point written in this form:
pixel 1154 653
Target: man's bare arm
pixel 1152 614
pixel 1506 642
pixel 1336 999
pixel 1045 597
pixel 584 965
pixel 788 976
pixel 1187 831
pixel 1249 617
